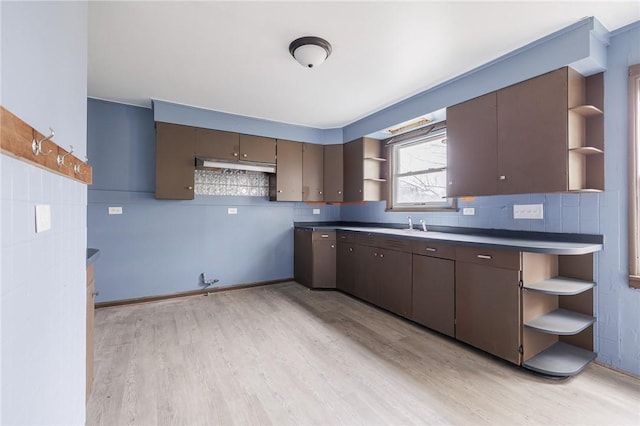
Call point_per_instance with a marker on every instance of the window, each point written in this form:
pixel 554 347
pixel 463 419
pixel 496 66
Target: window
pixel 634 176
pixel 419 173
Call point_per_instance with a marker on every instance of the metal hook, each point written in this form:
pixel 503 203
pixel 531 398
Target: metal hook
pixel 36 145
pixel 76 167
pixel 62 157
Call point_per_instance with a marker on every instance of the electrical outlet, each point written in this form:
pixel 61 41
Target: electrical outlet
pixel 115 210
pixel 232 210
pixel 528 211
pixel 469 211
pixel 316 211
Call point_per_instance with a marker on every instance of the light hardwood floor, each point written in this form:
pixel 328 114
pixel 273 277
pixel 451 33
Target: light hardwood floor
pixel 284 355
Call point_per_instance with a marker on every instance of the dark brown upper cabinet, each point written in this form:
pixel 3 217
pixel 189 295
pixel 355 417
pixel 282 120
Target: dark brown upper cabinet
pixel 333 173
pixel 542 135
pixel 257 149
pixel 312 172
pixel 362 171
pixel 217 144
pixel 286 184
pixel 175 161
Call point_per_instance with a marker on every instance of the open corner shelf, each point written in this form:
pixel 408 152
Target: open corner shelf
pixel 560 360
pixel 560 286
pixel 586 190
pixel 587 110
pixel 561 322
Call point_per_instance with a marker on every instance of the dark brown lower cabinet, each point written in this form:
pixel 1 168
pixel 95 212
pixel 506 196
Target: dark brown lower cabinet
pixel 384 279
pixel 314 261
pixel 433 293
pixel 488 309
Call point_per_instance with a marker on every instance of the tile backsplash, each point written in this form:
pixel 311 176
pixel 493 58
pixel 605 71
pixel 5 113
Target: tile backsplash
pixel 231 182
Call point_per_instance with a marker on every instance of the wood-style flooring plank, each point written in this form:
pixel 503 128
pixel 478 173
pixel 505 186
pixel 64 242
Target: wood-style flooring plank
pixel 285 355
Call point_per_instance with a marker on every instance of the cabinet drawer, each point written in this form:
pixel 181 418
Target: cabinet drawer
pixel 490 257
pixel 323 236
pixel 367 240
pixel 347 237
pixel 427 248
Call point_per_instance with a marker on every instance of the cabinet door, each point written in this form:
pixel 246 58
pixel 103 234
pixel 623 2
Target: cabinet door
pixel 257 149
pixel 365 285
pixel 216 144
pixel 488 309
pixel 289 171
pixel 324 264
pixel 353 170
pixel 346 267
pixel 393 280
pixel 433 294
pixel 532 135
pixel 175 161
pixel 472 158
pixel 312 173
pixel 333 173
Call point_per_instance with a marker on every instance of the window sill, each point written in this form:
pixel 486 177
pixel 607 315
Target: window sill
pixel 634 281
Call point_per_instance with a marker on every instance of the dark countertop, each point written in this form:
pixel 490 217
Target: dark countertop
pixel 534 242
pixel 92 255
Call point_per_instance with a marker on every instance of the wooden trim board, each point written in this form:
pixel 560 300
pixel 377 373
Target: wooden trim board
pixel 203 291
pixel 15 140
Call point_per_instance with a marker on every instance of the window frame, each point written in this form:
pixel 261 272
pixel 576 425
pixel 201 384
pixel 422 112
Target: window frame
pixel 449 205
pixel 634 176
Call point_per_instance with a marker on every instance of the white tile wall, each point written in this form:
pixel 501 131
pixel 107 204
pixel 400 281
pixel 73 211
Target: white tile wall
pixel 42 297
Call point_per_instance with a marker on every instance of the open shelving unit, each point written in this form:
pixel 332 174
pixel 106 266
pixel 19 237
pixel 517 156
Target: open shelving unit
pixel 586 133
pixel 557 333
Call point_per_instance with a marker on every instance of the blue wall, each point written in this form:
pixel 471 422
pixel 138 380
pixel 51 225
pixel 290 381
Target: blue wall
pixel 159 246
pixel 43 276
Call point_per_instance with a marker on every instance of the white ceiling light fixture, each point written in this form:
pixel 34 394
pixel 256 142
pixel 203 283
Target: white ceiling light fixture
pixel 310 51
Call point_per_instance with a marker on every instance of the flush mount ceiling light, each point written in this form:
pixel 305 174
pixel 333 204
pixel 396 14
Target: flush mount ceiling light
pixel 310 51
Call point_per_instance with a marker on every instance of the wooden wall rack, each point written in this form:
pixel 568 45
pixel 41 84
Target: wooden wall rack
pixel 17 137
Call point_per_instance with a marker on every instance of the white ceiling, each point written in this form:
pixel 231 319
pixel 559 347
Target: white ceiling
pixel 233 56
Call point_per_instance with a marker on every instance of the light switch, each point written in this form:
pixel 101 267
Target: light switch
pixel 232 210
pixel 528 211
pixel 115 210
pixel 43 217
pixel 316 211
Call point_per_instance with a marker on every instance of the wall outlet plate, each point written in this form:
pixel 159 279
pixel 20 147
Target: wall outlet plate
pixel 469 211
pixel 528 211
pixel 316 211
pixel 115 210
pixel 232 210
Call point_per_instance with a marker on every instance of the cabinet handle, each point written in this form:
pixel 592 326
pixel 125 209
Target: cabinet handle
pixel 189 187
pixel 333 246
pixel 360 190
pixel 350 249
pixel 324 235
pixel 320 192
pixel 503 177
pixel 343 237
pixel 339 192
pixel 431 249
pixel 279 191
pixel 381 255
pixel 244 155
pixel 235 154
pixel 484 256
pixel 375 254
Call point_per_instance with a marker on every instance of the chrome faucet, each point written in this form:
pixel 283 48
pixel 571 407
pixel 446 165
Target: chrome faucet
pixel 410 223
pixel 424 225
